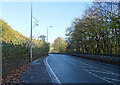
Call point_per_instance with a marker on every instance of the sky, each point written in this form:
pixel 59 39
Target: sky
pixel 59 15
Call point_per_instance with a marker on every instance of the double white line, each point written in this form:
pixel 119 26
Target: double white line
pixel 51 73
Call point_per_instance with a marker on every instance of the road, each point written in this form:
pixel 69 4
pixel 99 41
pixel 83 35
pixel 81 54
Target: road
pixel 70 69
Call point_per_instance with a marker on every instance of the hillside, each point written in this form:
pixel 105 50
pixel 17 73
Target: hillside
pixel 8 34
pixel 15 48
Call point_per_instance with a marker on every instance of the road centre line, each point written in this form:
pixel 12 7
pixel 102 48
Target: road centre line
pixel 103 72
pixel 103 78
pixel 99 76
pixel 101 69
pixel 111 79
pixel 106 73
pixel 112 72
pixel 94 74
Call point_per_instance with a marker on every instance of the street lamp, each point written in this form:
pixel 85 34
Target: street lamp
pixel 31 36
pixel 47 32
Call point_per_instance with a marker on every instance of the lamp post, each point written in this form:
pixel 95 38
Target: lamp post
pixel 31 36
pixel 47 32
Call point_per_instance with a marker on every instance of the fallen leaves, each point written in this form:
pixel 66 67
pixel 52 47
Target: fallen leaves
pixel 14 77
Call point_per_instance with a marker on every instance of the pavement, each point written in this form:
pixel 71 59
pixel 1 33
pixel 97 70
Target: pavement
pixel 70 69
pixel 36 74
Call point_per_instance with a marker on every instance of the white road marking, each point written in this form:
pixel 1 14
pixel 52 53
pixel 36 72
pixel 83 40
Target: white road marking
pixel 82 63
pixel 112 79
pixel 58 81
pixel 104 72
pixel 73 60
pixel 89 71
pixel 48 71
pixel 84 67
pixel 72 63
pixel 93 73
pixel 98 76
pixel 111 72
pixel 101 69
pixel 65 59
pixel 86 64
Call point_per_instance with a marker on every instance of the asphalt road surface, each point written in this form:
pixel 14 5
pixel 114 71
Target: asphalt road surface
pixel 71 69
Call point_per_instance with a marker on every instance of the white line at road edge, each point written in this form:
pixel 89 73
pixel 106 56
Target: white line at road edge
pixel 50 72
